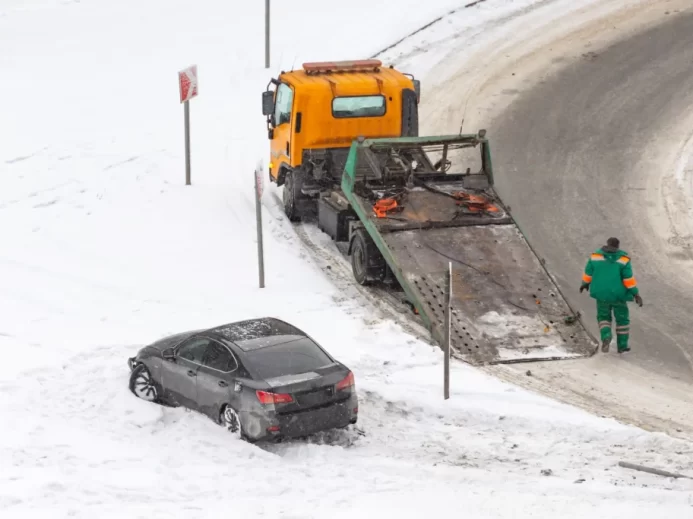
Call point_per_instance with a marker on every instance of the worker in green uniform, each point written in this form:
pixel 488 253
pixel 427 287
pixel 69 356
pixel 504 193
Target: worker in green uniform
pixel 609 278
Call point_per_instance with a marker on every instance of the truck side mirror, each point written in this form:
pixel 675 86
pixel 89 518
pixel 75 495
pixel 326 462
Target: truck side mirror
pixel 267 102
pixel 417 89
pixel 270 133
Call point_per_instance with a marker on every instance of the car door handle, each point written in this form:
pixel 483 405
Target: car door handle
pixel 191 373
pixel 223 384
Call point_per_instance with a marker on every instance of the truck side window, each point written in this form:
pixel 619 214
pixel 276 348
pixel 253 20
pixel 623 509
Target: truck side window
pixel 283 105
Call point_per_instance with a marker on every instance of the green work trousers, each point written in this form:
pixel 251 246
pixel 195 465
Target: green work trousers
pixel 620 311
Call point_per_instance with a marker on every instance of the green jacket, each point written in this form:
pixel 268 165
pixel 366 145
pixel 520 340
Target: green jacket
pixel 610 276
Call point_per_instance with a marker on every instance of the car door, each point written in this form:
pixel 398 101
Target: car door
pixel 216 380
pixel 179 376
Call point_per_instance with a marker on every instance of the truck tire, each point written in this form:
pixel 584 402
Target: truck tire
pixel 367 264
pixel 292 193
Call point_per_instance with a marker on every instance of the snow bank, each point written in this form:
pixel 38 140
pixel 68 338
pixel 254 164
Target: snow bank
pixel 104 249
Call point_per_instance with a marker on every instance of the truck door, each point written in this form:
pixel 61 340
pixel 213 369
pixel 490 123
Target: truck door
pixel 281 142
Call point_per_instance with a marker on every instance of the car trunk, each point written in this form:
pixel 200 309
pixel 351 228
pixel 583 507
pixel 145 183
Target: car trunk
pixel 311 390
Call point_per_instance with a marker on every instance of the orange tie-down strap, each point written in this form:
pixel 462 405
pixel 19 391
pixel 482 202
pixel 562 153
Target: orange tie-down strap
pixel 474 203
pixel 381 207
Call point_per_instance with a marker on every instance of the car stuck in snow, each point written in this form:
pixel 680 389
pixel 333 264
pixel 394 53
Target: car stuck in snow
pixel 262 379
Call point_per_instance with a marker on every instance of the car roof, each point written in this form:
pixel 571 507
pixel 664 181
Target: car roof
pixel 241 331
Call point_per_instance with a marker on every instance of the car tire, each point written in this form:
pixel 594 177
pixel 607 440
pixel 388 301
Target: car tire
pixel 142 385
pixel 231 421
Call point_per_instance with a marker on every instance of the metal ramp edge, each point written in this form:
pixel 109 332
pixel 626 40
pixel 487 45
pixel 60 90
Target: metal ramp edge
pixel 508 311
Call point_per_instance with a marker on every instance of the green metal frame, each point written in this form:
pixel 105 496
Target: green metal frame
pixel 348 181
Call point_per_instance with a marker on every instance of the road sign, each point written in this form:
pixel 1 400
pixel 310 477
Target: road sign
pixel 187 82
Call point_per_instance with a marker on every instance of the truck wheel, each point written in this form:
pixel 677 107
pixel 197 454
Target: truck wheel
pixel 291 195
pixel 367 263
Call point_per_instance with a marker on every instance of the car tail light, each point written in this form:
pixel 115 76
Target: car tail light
pixel 347 382
pixel 273 398
pixel 273 428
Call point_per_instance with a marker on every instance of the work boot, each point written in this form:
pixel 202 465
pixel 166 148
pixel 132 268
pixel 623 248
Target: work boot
pixel 624 350
pixel 605 345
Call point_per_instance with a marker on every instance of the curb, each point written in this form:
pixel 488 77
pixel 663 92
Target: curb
pixel 432 22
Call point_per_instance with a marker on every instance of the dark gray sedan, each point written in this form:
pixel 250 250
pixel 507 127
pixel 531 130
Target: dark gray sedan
pixel 261 379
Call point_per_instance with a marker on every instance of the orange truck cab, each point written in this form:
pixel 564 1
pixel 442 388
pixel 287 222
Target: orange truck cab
pixel 314 114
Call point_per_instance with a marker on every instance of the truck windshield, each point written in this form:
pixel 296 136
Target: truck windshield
pixel 358 106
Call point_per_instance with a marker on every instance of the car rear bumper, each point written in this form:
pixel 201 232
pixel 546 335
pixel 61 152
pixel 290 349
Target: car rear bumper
pixel 306 422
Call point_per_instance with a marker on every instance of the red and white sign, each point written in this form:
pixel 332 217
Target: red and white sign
pixel 187 81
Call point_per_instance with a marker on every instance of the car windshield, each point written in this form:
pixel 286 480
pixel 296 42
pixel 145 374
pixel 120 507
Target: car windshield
pixel 297 356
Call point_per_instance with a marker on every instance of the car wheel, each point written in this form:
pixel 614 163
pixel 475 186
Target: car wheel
pixel 142 384
pixel 231 421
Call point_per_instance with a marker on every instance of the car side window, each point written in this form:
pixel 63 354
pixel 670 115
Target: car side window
pixel 194 349
pixel 283 104
pixel 219 358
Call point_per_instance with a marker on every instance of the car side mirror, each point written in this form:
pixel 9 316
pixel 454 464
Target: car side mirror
pixel 168 354
pixel 267 102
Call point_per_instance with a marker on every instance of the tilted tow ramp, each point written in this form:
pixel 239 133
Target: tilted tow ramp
pixel 422 217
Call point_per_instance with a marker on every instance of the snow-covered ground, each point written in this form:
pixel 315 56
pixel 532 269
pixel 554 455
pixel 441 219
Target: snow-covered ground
pixel 104 249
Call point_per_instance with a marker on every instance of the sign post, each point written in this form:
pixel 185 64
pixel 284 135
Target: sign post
pixel 258 217
pixel 448 326
pixel 187 84
pixel 267 33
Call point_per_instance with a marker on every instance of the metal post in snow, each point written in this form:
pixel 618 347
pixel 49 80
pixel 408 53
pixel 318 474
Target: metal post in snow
pixel 267 16
pixel 187 84
pixel 258 219
pixel 186 110
pixel 448 326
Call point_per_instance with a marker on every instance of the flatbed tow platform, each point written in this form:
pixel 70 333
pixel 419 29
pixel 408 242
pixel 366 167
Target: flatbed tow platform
pixel 408 222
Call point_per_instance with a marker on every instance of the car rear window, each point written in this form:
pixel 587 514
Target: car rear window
pixel 289 358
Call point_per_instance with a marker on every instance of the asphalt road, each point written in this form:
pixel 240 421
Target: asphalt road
pixel 587 154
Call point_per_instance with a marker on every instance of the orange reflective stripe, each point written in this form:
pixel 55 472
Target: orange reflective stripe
pixel 586 278
pixel 630 282
pixel 623 260
pixel 597 257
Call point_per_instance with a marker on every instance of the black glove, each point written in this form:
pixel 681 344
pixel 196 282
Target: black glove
pixel 638 300
pixel 585 286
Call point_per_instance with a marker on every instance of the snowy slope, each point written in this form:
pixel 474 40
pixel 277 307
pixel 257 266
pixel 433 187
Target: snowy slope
pixel 105 249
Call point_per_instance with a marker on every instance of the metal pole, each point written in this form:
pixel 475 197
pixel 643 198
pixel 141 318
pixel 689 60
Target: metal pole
pixel 448 326
pixel 258 218
pixel 267 33
pixel 186 110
